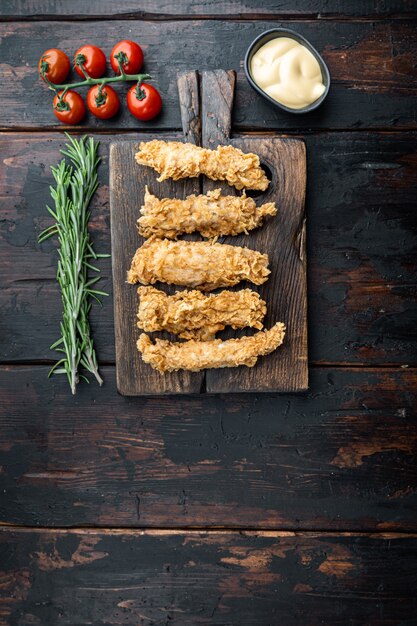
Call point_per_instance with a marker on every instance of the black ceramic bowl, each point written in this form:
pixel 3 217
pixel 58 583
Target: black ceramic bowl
pixel 286 32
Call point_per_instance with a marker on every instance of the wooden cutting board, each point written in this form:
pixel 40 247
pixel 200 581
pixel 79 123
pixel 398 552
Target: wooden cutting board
pixel 206 103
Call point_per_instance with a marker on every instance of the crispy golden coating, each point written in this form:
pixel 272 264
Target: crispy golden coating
pixel 194 315
pixel 199 264
pixel 212 215
pixel 173 159
pixel 166 356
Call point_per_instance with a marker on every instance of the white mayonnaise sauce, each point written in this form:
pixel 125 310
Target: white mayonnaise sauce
pixel 288 72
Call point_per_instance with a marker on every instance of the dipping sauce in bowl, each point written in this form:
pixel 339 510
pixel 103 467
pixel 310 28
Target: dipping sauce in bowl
pixel 286 69
pixel 288 72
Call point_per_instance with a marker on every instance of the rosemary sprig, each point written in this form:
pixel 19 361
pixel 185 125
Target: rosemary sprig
pixel 75 184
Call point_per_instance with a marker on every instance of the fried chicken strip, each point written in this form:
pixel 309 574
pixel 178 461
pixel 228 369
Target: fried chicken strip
pixel 211 215
pixel 193 315
pixel 200 264
pixel 173 159
pixel 166 356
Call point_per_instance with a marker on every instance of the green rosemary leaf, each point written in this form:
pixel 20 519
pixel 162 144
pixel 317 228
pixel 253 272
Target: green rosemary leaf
pixel 54 368
pixel 97 293
pixel 91 267
pixel 56 344
pixel 75 184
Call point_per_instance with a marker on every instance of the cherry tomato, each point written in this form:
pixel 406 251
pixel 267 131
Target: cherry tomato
pixel 104 102
pixel 71 109
pixel 55 65
pixel 94 61
pixel 144 103
pixel 130 54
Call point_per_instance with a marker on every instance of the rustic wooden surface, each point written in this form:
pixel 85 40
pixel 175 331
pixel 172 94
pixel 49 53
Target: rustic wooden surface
pixel 282 238
pixel 189 101
pixel 341 456
pixel 161 9
pixel 339 460
pixel 190 578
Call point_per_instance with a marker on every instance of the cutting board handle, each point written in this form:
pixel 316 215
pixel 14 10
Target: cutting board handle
pixel 206 102
pixel 189 97
pixel 218 90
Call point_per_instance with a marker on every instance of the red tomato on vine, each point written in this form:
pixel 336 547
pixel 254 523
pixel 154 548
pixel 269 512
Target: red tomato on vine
pixel 92 59
pixel 130 56
pixel 69 108
pixel 103 101
pixel 54 65
pixel 144 101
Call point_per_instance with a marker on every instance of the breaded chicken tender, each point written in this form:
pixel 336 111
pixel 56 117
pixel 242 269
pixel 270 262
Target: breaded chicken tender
pixel 199 264
pixel 211 215
pixel 173 159
pixel 166 356
pixel 194 315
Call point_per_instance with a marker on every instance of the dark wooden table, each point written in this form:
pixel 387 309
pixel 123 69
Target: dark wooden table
pixel 227 510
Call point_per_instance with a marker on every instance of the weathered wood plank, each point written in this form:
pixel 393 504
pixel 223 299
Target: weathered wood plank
pixel 340 457
pixel 361 195
pixel 160 9
pixel 189 578
pixel 189 101
pixel 373 68
pixel 218 92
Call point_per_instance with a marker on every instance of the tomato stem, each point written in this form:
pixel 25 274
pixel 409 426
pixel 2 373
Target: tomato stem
pixel 44 68
pixel 140 94
pixel 62 105
pixel 122 59
pixel 100 97
pixel 101 81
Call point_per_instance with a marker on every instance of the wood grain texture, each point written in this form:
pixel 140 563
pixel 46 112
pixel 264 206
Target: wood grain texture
pixel 373 68
pixel 189 578
pixel 342 456
pixel 127 188
pixel 361 191
pixel 161 9
pixel 189 100
pixel 283 238
pixel 218 91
